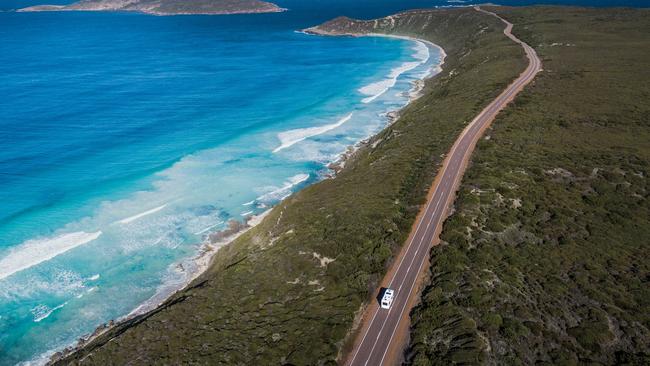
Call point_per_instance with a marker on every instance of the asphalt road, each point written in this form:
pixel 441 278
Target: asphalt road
pixel 378 336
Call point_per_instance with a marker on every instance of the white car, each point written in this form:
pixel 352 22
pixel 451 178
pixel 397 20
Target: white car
pixel 387 299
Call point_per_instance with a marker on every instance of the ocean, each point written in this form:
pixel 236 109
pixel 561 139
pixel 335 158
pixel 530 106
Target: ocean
pixel 127 139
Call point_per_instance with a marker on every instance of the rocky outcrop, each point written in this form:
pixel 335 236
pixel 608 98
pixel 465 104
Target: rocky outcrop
pixel 166 7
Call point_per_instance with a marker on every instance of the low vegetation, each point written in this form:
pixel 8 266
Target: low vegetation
pixel 546 259
pixel 288 291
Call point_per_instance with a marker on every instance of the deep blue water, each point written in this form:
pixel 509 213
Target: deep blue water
pixel 127 138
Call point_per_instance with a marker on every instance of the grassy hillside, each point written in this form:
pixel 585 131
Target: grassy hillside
pixel 289 289
pixel 546 259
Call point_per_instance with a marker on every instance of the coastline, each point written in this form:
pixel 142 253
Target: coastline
pixel 209 248
pixel 392 115
pixel 257 308
pixel 424 132
pixel 201 262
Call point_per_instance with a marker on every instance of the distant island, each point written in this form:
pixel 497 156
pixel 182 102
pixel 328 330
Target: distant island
pixel 544 258
pixel 166 7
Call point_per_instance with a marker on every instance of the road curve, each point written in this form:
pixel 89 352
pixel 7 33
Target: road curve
pixel 376 343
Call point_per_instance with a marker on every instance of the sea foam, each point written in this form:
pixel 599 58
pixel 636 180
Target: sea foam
pixel 377 89
pixel 284 191
pixel 206 229
pixel 292 137
pixel 140 215
pixel 33 252
pixel 41 312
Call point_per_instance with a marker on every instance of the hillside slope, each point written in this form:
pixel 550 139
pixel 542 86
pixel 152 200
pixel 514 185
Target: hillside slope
pixel 546 259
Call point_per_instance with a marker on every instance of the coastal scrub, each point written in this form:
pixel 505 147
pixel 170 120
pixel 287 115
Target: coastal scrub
pixel 546 257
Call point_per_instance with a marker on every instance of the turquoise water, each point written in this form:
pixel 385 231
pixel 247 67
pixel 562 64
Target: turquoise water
pixel 127 139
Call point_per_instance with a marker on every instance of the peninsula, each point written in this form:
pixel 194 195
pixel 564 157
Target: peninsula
pixel 166 7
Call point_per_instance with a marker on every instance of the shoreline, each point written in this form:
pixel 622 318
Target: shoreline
pixel 201 261
pixel 392 115
pixel 208 249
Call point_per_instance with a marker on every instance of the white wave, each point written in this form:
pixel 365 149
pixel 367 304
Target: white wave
pixel 247 213
pixel 94 277
pixel 291 137
pixel 298 178
pixel 33 252
pixel 140 215
pixel 54 282
pixel 377 89
pixel 284 191
pixel 421 51
pixel 248 203
pixel 43 311
pixel 208 228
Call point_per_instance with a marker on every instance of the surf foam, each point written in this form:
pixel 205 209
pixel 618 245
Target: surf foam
pixel 208 228
pixel 33 252
pixel 377 89
pixel 41 312
pixel 140 215
pixel 285 190
pixel 292 137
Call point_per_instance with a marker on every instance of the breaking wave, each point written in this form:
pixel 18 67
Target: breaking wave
pixel 33 252
pixel 41 312
pixel 377 89
pixel 292 137
pixel 140 215
pixel 284 191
